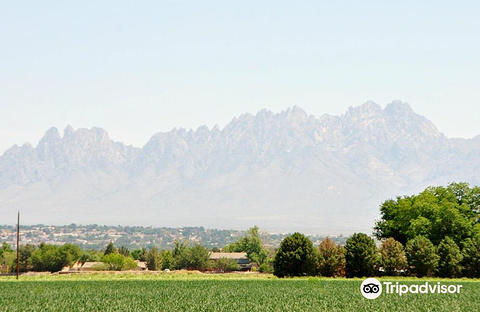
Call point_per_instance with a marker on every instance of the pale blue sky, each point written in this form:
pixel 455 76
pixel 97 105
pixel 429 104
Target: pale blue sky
pixel 139 67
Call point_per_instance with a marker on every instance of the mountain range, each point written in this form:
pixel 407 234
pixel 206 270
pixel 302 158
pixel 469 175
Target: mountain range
pixel 286 171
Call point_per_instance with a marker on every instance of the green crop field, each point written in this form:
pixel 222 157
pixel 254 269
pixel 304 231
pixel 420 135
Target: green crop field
pixel 201 292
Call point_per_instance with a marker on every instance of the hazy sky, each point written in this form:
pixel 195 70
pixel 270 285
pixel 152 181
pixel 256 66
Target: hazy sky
pixel 139 67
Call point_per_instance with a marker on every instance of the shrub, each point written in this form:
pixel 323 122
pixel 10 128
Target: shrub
pixel 226 265
pixel 118 262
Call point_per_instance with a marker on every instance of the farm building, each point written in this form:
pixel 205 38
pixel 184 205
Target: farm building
pixel 141 266
pixel 240 257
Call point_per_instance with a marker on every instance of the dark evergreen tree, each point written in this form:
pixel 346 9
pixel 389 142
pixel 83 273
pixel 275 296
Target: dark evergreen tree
pixel 422 257
pixel 154 262
pixel 471 257
pixel 361 256
pixel 110 249
pixel 295 257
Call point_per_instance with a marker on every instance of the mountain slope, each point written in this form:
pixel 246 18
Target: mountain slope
pixel 287 171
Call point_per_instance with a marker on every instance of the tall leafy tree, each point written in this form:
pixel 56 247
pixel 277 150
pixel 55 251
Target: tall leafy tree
pixel 422 257
pixel 195 257
pixel 393 257
pixel 70 254
pixel 361 256
pixel 295 257
pixel 252 245
pixel 436 212
pixel 47 257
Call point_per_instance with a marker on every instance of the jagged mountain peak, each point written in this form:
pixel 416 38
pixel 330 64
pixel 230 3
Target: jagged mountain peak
pixel 52 134
pixel 367 108
pixel 399 107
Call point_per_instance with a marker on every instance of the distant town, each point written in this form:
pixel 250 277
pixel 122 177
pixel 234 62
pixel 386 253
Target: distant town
pixel 98 236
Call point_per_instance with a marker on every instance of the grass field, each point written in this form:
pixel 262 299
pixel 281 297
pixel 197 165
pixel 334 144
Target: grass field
pixel 200 292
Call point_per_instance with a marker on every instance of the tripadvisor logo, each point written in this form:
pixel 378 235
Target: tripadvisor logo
pixel 371 288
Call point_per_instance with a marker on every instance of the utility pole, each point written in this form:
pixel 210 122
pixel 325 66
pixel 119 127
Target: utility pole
pixel 18 240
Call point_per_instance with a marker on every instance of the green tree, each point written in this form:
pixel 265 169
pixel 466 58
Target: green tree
pixel 422 257
pixel 331 258
pixel 139 254
pixel 251 244
pixel 435 213
pixel 47 257
pixel 7 256
pixel 5 248
pixel 24 258
pixel 226 265
pixel 361 256
pixel 471 257
pixel 393 257
pixel 195 258
pixel 179 252
pixel 295 257
pixel 449 263
pixel 70 254
pixel 154 261
pixel 167 260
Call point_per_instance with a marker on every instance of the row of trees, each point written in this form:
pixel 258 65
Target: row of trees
pixel 361 257
pixel 296 257
pixel 434 233
pixel 45 257
pixel 48 257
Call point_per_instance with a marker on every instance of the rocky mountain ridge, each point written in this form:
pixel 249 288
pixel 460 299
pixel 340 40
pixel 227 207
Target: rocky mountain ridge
pixel 284 171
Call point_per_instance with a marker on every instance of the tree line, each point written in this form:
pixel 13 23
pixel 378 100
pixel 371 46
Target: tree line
pixel 434 233
pixel 49 257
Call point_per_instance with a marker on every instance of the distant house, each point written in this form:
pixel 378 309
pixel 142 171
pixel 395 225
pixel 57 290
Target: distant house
pixel 241 258
pixel 141 266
